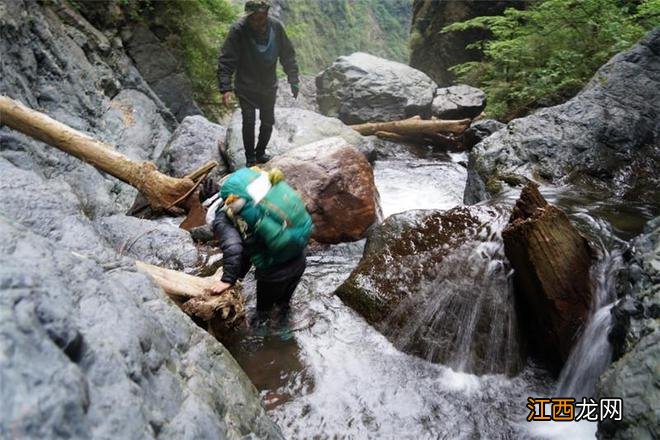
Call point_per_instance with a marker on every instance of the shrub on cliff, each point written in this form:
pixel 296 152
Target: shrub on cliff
pixel 545 54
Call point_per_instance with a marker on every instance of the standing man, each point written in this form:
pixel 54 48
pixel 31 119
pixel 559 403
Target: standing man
pixel 251 50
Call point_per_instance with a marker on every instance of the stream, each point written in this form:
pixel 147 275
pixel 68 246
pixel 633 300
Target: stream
pixel 335 376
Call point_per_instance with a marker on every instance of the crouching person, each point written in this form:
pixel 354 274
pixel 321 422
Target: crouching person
pixel 260 220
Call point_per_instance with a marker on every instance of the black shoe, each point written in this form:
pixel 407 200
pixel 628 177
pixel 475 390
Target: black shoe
pixel 250 162
pixel 263 158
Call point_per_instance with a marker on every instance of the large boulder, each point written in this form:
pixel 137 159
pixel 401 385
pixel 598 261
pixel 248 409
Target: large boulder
pixel 551 263
pixel 605 140
pixel 635 375
pixel 337 185
pixel 435 283
pixel 363 88
pixel 294 127
pixel 195 142
pixel 458 102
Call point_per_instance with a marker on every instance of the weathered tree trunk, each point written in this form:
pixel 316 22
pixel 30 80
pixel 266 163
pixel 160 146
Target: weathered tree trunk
pixel 553 286
pixel 217 313
pixel 414 126
pixel 160 190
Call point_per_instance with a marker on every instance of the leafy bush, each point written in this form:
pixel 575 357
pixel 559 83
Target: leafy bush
pixel 546 53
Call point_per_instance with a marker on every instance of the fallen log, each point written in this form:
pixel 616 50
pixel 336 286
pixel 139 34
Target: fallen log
pixel 414 126
pixel 161 191
pixel 218 314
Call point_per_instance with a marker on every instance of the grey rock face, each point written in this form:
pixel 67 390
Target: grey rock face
pixel 163 72
pixel 363 88
pixel 194 142
pixel 458 102
pixel 54 61
pixel 606 139
pixel 90 348
pixel 479 131
pixel 93 350
pixel 293 128
pixel 134 126
pixel 636 339
pixel 154 242
pixel 306 99
pixel 435 283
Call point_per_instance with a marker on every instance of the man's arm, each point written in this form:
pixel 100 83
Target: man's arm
pixel 227 61
pixel 233 258
pixel 288 57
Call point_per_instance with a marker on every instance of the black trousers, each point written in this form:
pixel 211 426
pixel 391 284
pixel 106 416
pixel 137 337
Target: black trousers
pixel 251 101
pixel 271 293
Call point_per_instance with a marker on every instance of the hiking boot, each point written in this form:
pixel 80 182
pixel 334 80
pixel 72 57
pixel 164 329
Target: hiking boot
pixel 263 158
pixel 250 162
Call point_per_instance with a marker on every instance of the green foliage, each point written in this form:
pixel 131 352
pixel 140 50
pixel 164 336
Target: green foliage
pixel 194 30
pixel 323 30
pixel 545 54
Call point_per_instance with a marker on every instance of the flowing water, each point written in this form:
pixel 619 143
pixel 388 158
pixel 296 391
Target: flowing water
pixel 335 376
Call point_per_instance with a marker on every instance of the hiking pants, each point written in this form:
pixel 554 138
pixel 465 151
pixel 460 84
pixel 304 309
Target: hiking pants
pixel 265 103
pixel 271 293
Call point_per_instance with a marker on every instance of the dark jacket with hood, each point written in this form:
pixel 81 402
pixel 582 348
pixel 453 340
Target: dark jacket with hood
pixel 236 255
pixel 254 72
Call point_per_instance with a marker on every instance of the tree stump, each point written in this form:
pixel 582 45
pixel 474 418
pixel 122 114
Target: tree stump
pixel 552 280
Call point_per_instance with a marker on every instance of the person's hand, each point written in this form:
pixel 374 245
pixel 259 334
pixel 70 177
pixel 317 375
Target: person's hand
pixel 218 287
pixel 226 97
pixel 295 88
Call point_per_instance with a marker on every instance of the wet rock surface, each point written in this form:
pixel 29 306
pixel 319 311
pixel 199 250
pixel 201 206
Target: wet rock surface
pixel 337 184
pixel 636 339
pixel 480 130
pixel 194 142
pixel 458 102
pixel 604 140
pixel 419 279
pixel 551 263
pixel 293 128
pixel 363 88
pixel 91 348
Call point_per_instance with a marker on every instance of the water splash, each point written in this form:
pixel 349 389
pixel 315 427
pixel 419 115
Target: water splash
pixel 463 315
pixel 593 352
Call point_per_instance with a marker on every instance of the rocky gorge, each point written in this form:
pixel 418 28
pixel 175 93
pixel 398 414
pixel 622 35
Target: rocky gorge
pixel 416 332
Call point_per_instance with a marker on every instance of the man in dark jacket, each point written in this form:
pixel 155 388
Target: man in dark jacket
pixel 251 50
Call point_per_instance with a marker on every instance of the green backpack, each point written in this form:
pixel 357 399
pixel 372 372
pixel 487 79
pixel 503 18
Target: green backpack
pixel 279 217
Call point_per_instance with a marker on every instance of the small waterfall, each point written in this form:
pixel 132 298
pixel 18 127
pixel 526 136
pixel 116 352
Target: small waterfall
pixel 464 315
pixel 593 352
